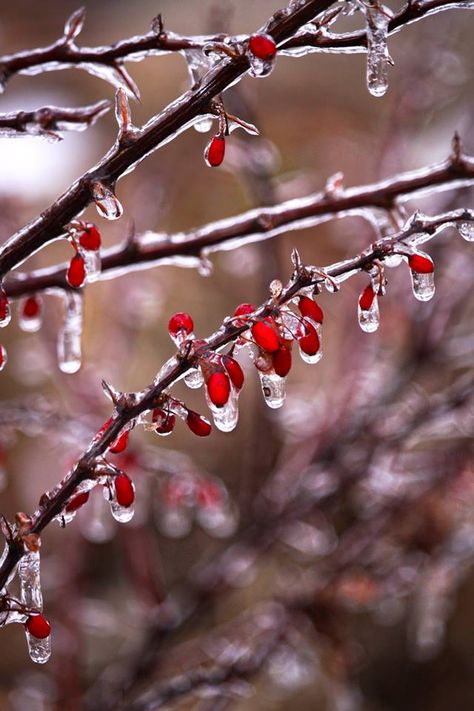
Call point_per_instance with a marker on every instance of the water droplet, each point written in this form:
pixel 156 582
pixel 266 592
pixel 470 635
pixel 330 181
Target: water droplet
pixel 423 285
pixel 273 388
pixel 106 202
pixel 377 53
pixel 69 337
pixel 194 378
pixel 466 230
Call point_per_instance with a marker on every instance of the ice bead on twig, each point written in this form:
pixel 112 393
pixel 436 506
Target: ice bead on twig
pixel 194 378
pixel 378 58
pixel 106 202
pixel 31 597
pixel 69 337
pixel 368 310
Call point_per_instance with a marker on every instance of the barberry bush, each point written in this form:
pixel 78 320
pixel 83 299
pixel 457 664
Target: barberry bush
pixel 200 508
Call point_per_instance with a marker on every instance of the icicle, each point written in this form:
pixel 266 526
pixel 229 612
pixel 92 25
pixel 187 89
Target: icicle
pixel 93 264
pixel 31 597
pixel 226 417
pixel 3 357
pixel 466 230
pixel 368 310
pixel 30 318
pixel 378 57
pixel 273 388
pixel 106 202
pixel 5 312
pixel 194 378
pixel 69 338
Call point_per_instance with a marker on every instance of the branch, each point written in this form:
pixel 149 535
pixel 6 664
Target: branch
pixel 150 249
pixel 131 148
pixel 46 121
pixel 128 407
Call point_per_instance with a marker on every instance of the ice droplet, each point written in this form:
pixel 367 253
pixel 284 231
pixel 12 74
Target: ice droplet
pixel 194 378
pixel 106 202
pixel 93 264
pixel 369 319
pixel 69 337
pixel 273 388
pixel 423 285
pixel 31 597
pixel 377 53
pixel 466 230
pixel 203 125
pixel 226 417
pixel 260 68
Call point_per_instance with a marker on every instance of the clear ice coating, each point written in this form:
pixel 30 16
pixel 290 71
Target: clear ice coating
pixel 260 68
pixel 69 337
pixel 378 57
pixel 93 264
pixel 194 378
pixel 226 417
pixel 369 319
pixel 466 230
pixel 31 597
pixel 423 285
pixel 273 389
pixel 106 202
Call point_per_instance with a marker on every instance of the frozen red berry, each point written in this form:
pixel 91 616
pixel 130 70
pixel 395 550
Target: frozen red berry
pixel 38 626
pixel 77 501
pixel 165 421
pixel 90 238
pixel 265 336
pixel 262 46
pixel 218 388
pixel 124 490
pixel 4 307
pixel 366 298
pixel 236 374
pixel 120 443
pixel 31 307
pixel 198 424
pixel 282 362
pixel 244 310
pixel 215 151
pixel 180 322
pixel 420 264
pixel 209 495
pixel 309 343
pixel 310 308
pixel 76 273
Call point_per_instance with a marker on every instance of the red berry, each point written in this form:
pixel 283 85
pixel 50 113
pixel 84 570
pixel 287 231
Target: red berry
pixel 209 494
pixel 215 151
pixel 124 490
pixel 120 443
pixel 366 298
pixel 244 309
pixel 236 374
pixel 309 343
pixel 4 306
pixel 77 501
pixel 90 238
pixel 180 321
pixel 282 362
pixel 218 388
pixel 165 421
pixel 38 626
pixel 76 273
pixel 419 263
pixel 310 308
pixel 31 307
pixel 198 424
pixel 265 336
pixel 262 46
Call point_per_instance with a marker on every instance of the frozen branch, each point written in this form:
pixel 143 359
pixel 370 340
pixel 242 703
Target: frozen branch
pixel 48 121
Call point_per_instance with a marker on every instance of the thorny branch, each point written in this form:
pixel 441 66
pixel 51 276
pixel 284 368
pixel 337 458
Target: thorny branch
pixel 258 224
pixel 130 406
pixel 48 120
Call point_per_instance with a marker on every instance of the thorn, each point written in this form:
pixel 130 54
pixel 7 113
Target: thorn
pixel 74 25
pixel 456 149
pixel 157 25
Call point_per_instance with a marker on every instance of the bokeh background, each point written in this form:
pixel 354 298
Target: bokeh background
pixel 316 118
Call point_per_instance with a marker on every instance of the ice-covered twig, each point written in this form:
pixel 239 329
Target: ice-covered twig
pixel 48 121
pixel 125 155
pixel 151 249
pixel 130 406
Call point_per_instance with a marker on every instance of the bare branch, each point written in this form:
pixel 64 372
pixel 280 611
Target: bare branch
pixel 47 121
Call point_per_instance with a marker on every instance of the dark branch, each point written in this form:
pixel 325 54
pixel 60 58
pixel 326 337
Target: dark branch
pixel 48 120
